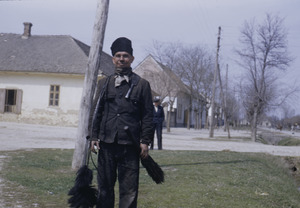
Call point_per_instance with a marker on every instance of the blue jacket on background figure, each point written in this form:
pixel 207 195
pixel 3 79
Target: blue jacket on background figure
pixel 158 119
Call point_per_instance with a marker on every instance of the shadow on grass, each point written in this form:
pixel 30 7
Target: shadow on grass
pixel 205 163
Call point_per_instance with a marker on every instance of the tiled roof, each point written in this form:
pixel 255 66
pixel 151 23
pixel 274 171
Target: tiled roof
pixel 47 54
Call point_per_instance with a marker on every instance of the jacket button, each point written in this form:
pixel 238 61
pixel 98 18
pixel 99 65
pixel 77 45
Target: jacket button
pixel 118 114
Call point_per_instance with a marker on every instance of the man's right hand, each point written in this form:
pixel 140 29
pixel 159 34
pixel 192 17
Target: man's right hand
pixel 94 145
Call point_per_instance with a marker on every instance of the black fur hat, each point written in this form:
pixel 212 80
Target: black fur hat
pixel 121 44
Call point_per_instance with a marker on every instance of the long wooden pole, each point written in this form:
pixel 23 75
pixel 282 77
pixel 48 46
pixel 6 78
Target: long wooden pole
pixel 224 106
pixel 90 81
pixel 212 108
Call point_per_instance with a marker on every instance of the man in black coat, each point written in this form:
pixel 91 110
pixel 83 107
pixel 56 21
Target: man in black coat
pixel 122 99
pixel 158 119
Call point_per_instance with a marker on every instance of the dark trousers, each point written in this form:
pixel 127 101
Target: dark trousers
pixel 120 161
pixel 157 127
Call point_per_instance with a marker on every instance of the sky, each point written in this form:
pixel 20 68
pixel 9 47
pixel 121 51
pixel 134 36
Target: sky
pixel 191 22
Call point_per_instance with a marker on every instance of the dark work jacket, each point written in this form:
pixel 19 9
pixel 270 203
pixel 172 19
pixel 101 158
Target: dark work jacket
pixel 159 116
pixel 114 111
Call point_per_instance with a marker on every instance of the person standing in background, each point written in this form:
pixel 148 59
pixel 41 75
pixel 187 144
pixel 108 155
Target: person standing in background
pixel 158 119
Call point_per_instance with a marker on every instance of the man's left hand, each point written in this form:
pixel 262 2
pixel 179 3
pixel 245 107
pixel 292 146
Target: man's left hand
pixel 144 150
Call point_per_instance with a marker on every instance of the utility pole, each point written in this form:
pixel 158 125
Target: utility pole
pixel 212 108
pixel 225 95
pixel 224 106
pixel 90 81
pixel 226 85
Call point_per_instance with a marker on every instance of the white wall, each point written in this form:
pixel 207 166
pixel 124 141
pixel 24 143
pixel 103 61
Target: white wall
pixel 35 100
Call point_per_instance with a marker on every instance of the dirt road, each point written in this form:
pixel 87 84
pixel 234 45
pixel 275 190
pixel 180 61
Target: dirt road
pixel 15 136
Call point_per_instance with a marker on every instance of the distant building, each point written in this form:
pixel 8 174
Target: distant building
pixel 41 77
pixel 171 90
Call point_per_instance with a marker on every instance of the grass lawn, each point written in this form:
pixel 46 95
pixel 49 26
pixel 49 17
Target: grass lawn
pixel 193 179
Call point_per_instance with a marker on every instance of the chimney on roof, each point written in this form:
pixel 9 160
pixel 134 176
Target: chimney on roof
pixel 27 30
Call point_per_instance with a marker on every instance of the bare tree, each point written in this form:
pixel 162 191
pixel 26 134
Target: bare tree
pixel 287 113
pixel 163 84
pixel 263 50
pixel 172 93
pixel 195 68
pixel 166 81
pixel 166 53
pixel 232 108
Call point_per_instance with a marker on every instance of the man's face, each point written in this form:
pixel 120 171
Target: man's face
pixel 122 59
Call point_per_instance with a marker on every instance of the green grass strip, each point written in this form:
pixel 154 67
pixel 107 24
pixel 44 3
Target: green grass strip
pixel 193 179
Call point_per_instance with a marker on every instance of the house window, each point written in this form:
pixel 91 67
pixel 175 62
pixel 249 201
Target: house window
pixel 10 101
pixel 54 95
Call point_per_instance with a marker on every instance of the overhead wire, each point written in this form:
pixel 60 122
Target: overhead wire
pixel 201 20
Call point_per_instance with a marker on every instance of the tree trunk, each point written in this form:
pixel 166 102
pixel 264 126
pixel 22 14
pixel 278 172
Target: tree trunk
pixel 196 116
pixel 168 120
pixel 254 124
pixel 206 118
pixel 188 119
pixel 200 119
pixel 189 113
pixel 81 145
pixel 228 130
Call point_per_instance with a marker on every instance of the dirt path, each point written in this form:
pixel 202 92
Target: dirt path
pixel 183 139
pixel 15 136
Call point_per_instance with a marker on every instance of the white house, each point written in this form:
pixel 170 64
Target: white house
pixel 173 92
pixel 41 77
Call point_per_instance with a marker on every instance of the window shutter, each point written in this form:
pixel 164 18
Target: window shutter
pixel 2 100
pixel 19 101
